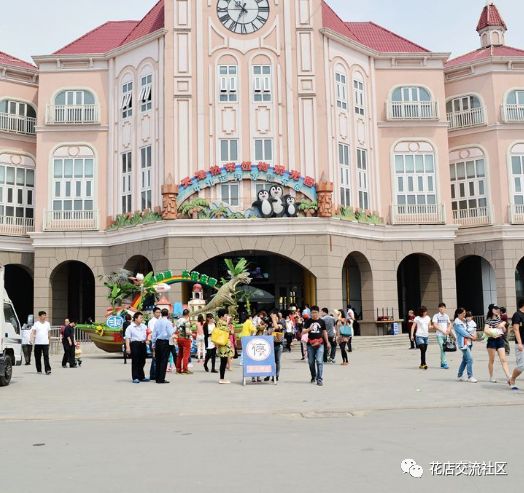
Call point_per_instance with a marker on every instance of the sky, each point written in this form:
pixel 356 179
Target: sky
pixel 439 25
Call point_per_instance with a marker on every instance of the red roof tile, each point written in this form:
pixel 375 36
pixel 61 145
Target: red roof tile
pixel 100 40
pixel 490 17
pixel 6 59
pixel 368 34
pixel 484 54
pixel 381 39
pixel 153 21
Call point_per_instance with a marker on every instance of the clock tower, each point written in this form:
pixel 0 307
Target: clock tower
pixel 243 79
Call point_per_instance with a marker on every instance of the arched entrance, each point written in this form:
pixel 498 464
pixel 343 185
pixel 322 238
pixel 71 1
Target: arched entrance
pixel 278 281
pixel 73 292
pixel 476 284
pixel 357 284
pixel 418 283
pixel 519 280
pixel 19 287
pixel 138 264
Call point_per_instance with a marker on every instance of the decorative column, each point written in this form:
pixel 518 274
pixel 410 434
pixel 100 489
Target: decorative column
pixel 325 197
pixel 169 204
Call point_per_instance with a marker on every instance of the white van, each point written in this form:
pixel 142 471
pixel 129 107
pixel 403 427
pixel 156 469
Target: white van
pixel 10 338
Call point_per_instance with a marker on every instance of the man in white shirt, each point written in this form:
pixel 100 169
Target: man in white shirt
pixel 442 325
pixel 40 338
pixel 27 347
pixel 150 328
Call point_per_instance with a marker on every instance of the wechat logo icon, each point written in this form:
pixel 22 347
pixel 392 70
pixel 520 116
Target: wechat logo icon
pixel 409 466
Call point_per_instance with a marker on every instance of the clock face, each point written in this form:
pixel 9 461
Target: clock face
pixel 243 16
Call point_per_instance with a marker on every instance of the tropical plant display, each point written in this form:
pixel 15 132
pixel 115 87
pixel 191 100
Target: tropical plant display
pixel 359 215
pixel 308 207
pixel 135 218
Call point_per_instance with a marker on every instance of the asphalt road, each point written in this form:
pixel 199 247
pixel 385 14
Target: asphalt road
pixel 91 430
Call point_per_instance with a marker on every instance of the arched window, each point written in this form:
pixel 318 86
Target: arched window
pixel 517 171
pixel 469 195
pixel 359 94
pixel 17 182
pixel 412 103
pixel 514 108
pixel 465 111
pixel 74 106
pixel 17 117
pixel 341 88
pixel 73 179
pixel 416 184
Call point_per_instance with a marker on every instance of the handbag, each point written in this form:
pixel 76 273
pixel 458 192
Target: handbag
pixel 449 345
pixel 219 337
pixel 346 331
pixel 316 342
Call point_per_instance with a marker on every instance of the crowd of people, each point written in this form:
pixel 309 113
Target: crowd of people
pixel 319 333
pixel 461 334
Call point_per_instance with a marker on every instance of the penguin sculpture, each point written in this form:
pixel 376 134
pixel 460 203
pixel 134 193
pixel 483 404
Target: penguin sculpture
pixel 290 208
pixel 276 193
pixel 263 204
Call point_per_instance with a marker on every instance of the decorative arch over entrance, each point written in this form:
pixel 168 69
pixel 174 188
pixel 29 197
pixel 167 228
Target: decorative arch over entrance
pixel 19 286
pixel 72 292
pixel 419 283
pixel 357 284
pixel 476 284
pixel 285 280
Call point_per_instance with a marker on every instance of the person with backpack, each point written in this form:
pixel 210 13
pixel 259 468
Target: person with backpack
pixel 344 332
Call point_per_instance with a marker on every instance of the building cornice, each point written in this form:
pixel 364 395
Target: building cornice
pixel 20 244
pixel 492 60
pixel 490 233
pixel 413 123
pixel 242 228
pixel 71 129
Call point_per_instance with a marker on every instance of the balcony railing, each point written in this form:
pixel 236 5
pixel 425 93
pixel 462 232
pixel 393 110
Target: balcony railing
pixel 417 214
pixel 513 112
pixel 70 220
pixel 72 114
pixel 412 110
pixel 465 119
pixel 16 226
pixel 472 217
pixel 17 124
pixel 516 214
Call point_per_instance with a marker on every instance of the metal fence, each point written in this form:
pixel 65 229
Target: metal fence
pixel 55 339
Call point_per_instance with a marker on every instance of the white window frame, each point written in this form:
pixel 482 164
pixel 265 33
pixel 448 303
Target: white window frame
pixel 341 90
pixel 359 96
pixel 345 174
pixel 146 175
pixel 262 83
pixel 417 184
pixel 126 104
pixel 363 178
pixel 228 150
pixel 71 190
pixel 17 196
pixel 126 180
pixel 469 184
pixel 411 94
pixel 146 93
pixel 517 158
pixel 264 151
pixel 227 83
pixel 230 193
pixel 519 97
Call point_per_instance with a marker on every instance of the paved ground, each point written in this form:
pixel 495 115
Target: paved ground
pixel 90 429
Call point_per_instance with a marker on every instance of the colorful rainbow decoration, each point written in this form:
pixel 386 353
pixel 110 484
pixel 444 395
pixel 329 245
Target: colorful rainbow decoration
pixel 163 280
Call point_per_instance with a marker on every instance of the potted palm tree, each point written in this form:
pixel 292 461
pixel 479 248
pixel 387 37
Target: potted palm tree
pixel 308 207
pixel 194 208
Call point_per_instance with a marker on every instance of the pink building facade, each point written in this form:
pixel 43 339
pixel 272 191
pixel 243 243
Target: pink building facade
pixel 397 174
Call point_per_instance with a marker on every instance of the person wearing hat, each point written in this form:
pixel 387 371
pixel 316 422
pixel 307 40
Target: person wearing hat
pixel 494 329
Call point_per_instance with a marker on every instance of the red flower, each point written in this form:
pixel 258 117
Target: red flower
pixel 187 182
pixel 246 166
pixel 280 170
pixel 309 182
pixel 230 167
pixel 201 175
pixel 263 166
pixel 215 170
pixel 295 175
